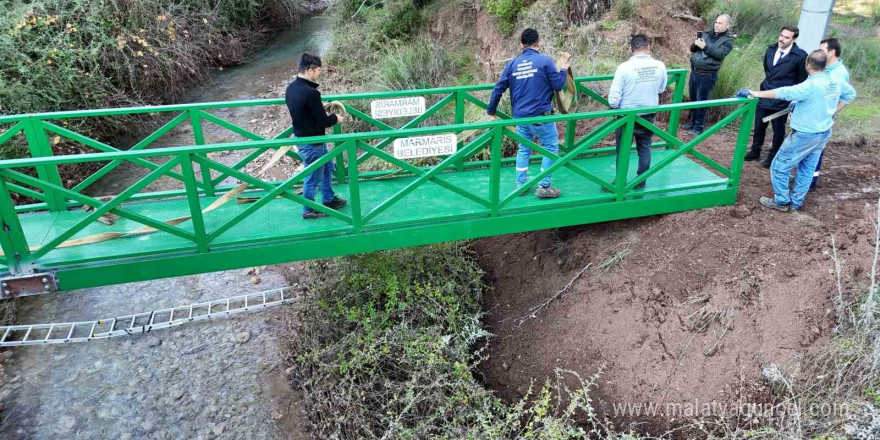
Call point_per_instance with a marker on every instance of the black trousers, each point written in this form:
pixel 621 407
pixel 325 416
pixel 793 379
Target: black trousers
pixel 643 142
pixel 761 129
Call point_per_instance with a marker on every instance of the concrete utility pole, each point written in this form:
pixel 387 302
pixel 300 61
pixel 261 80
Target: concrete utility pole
pixel 815 15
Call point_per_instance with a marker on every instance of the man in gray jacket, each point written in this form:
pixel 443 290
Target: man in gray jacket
pixel 638 82
pixel 709 50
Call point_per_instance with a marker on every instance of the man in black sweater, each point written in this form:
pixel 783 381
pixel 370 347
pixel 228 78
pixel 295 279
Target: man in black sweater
pixel 709 50
pixel 783 66
pixel 309 119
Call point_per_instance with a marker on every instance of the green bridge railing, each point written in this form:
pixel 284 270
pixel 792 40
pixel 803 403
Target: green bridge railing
pixel 184 163
pixel 37 128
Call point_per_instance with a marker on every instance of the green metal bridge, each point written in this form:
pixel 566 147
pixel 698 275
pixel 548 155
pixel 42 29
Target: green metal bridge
pixel 393 202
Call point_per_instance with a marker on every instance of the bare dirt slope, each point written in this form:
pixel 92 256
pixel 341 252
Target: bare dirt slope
pixel 656 320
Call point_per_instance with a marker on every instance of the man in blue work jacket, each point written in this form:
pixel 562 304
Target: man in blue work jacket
pixel 783 66
pixel 836 69
pixel 532 78
pixel 817 100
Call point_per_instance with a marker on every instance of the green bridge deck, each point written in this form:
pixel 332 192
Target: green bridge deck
pixel 456 197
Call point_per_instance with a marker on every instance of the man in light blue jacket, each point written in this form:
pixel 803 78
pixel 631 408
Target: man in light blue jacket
pixel 638 82
pixel 836 69
pixel 818 99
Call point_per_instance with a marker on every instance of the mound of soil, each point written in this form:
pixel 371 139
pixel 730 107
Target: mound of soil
pixel 698 302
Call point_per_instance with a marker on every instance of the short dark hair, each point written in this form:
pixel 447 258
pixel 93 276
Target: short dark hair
pixel 792 29
pixel 639 41
pixel 308 61
pixel 529 37
pixel 817 60
pixel 832 44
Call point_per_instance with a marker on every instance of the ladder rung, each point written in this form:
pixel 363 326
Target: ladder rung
pixel 129 323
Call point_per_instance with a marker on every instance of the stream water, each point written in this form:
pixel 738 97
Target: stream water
pixel 220 380
pixel 258 78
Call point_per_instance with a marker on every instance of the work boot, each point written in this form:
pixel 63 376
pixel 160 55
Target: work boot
pixel 688 126
pixel 769 202
pixel 753 154
pixel 695 131
pixel 519 187
pixel 311 215
pixel 336 203
pixel 548 192
pixel 768 161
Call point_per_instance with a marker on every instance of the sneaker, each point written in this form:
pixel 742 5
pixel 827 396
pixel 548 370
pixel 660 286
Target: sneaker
pixel 311 215
pixel 767 162
pixel 547 192
pixel 769 202
pixel 753 154
pixel 336 203
pixel 688 126
pixel 695 132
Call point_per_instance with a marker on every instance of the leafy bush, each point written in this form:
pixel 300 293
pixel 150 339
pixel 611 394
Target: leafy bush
pixel 506 12
pixel 419 65
pixel 385 349
pixel 626 9
pixel 403 23
pixel 73 54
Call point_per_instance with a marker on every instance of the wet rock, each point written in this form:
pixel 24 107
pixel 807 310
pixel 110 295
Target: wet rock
pixel 242 337
pixel 66 423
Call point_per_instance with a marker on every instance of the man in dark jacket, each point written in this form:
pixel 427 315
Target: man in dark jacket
pixel 532 77
pixel 709 50
pixel 309 119
pixel 783 66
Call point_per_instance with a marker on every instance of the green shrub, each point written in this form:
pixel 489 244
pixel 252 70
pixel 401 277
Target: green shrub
pixel 386 347
pixel 74 54
pixel 418 65
pixel 506 12
pixel 403 23
pixel 626 9
pixel 751 17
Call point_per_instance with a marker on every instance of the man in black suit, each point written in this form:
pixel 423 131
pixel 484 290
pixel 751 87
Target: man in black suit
pixel 783 66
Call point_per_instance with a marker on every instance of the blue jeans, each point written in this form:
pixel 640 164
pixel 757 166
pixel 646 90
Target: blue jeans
pixel 322 176
pixel 700 86
pixel 801 151
pixel 548 138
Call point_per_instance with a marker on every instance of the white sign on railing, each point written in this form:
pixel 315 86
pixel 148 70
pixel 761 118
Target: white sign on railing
pixel 396 108
pixel 425 146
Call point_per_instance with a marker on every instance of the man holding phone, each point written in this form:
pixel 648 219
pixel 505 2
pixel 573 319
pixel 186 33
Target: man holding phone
pixel 708 52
